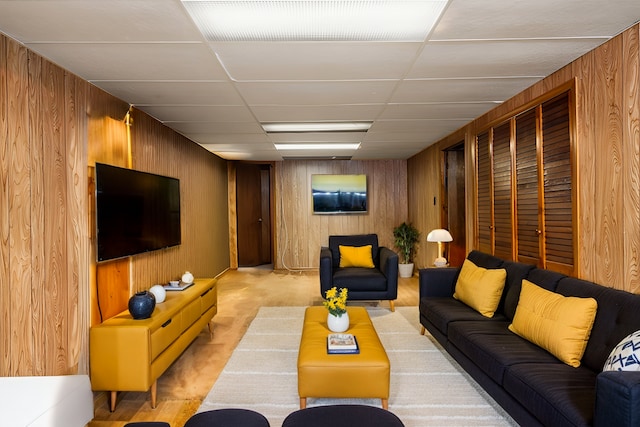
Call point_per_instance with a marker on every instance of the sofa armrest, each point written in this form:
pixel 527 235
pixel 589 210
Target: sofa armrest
pixel 389 267
pixel 326 270
pixel 438 282
pixel 617 399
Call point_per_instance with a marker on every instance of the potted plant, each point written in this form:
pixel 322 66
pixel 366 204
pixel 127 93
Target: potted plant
pixel 406 236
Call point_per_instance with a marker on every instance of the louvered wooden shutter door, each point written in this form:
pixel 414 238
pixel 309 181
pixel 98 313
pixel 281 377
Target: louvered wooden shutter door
pixel 484 193
pixel 558 224
pixel 502 198
pixel 527 188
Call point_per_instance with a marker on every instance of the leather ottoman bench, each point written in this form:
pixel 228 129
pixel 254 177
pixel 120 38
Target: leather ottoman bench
pixel 363 375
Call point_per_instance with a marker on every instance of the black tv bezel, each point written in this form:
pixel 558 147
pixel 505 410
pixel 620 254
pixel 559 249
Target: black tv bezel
pixel 133 173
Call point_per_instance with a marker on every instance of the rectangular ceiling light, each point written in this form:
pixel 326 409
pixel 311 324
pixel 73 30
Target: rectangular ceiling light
pixel 316 127
pixel 318 146
pixel 316 20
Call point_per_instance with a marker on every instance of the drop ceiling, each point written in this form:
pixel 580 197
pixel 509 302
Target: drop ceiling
pixel 150 54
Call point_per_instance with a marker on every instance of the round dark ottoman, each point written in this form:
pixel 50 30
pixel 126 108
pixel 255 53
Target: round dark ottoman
pixel 342 416
pixel 227 418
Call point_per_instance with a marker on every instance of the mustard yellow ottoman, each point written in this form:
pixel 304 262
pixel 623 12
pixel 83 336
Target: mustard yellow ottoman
pixel 363 375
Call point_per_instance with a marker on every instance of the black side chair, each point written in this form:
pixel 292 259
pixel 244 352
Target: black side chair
pixel 378 283
pixel 231 417
pixel 342 416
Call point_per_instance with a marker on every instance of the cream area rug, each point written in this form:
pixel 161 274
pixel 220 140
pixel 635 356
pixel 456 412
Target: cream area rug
pixel 427 387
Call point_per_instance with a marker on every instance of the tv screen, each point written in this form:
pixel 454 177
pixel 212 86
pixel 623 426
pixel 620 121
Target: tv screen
pixel 135 212
pixel 339 194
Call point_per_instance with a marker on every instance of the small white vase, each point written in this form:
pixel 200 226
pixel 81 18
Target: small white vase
pixel 338 323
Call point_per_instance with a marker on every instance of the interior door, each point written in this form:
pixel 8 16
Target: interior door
pixel 253 214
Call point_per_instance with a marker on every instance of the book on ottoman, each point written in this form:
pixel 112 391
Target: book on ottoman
pixel 342 344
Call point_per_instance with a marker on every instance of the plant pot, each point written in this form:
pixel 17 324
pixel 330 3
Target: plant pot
pixel 405 270
pixel 338 323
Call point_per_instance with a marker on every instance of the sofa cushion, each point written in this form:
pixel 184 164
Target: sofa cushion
pixel 480 288
pixel 442 311
pixel 484 260
pixel 493 348
pixel 359 279
pixel 617 317
pixel 559 324
pixel 356 256
pixel 626 355
pixel 555 393
pixel 515 273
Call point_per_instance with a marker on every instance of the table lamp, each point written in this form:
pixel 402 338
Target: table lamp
pixel 439 235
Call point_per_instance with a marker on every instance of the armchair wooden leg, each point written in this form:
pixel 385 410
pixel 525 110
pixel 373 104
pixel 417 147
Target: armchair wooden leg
pixel 392 305
pixel 422 330
pixel 113 395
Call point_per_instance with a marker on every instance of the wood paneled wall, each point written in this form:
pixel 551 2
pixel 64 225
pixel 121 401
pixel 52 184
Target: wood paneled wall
pixel 300 233
pixel 51 124
pixel 608 152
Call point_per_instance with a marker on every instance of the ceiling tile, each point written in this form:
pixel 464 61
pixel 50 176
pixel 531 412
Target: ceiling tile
pixel 251 61
pixel 173 93
pixel 135 61
pixel 503 58
pixel 520 19
pixel 316 93
pixel 199 113
pixel 216 127
pixel 104 20
pixel 437 110
pixel 302 113
pixel 460 90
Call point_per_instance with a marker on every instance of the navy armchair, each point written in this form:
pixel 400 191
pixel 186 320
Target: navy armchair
pixel 378 283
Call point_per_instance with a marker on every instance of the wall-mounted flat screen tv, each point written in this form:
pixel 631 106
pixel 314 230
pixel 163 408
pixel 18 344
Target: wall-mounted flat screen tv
pixel 136 212
pixel 339 194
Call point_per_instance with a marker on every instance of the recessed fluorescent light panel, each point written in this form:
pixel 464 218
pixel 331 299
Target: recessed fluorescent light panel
pixel 316 20
pixel 318 146
pixel 316 127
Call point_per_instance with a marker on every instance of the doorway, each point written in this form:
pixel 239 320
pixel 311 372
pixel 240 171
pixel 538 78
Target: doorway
pixel 253 211
pixel 454 216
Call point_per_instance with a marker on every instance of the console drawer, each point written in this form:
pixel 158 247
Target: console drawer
pixel 208 299
pixel 191 313
pixel 162 337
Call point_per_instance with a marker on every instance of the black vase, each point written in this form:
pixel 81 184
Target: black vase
pixel 141 305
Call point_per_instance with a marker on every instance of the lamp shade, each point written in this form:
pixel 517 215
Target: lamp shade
pixel 439 235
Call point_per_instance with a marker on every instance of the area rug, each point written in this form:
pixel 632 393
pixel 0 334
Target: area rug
pixel 427 387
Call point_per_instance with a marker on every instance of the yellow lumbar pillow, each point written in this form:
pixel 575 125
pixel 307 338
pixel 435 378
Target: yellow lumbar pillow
pixel 561 325
pixel 356 256
pixel 480 288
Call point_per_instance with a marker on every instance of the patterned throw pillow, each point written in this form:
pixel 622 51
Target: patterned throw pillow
pixel 626 355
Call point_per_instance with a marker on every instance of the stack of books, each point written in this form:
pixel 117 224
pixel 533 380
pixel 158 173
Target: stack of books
pixel 342 344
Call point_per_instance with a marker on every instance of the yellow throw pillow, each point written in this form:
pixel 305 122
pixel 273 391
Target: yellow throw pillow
pixel 561 325
pixel 356 256
pixel 480 288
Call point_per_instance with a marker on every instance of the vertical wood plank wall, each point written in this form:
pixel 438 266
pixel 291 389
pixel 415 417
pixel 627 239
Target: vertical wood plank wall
pixel 608 150
pixel 52 126
pixel 300 233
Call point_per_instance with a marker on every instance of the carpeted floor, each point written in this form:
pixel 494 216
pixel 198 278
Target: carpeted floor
pixel 427 388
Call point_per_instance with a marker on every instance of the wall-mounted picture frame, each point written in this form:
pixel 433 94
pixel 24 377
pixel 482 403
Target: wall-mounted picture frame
pixel 339 194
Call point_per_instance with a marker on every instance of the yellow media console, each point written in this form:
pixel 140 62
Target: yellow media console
pixel 129 355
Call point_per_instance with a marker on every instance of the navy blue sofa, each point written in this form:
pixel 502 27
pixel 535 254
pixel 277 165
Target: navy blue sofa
pixel 532 385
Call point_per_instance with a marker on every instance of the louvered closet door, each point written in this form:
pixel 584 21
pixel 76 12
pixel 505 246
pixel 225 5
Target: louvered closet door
pixel 527 191
pixel 484 194
pixel 558 208
pixel 502 199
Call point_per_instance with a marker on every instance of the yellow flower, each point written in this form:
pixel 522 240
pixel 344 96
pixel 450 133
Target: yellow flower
pixel 336 302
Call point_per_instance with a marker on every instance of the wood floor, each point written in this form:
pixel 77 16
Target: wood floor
pixel 240 294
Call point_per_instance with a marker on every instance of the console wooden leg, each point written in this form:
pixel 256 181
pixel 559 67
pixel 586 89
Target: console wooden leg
pixel 210 330
pixel 385 404
pixel 112 400
pixel 422 330
pixel 392 305
pixel 303 402
pixel 154 393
